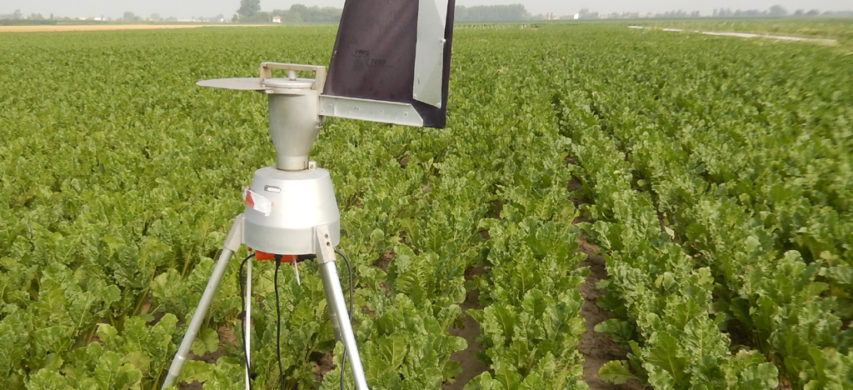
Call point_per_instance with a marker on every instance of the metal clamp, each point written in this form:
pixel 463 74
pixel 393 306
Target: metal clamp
pixel 325 248
pixel 319 72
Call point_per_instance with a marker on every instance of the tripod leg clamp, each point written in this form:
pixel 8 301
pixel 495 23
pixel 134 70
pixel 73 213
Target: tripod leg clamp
pixel 235 236
pixel 325 249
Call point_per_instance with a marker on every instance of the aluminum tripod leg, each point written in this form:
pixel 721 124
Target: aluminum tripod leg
pixel 247 332
pixel 232 244
pixel 337 305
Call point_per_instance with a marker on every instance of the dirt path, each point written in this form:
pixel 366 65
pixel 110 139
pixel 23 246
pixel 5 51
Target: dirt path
pixel 820 41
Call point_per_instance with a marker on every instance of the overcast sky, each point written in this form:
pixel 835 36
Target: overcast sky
pixel 190 8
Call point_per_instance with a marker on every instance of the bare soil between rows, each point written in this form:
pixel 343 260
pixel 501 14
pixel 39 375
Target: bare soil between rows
pixel 467 358
pixel 597 348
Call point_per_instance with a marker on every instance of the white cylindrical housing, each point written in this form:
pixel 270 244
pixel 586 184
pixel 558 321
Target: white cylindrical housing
pixel 294 120
pixel 284 207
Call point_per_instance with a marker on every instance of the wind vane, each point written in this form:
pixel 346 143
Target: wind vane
pixel 391 64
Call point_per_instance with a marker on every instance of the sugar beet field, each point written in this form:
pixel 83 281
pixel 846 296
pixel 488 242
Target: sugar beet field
pixel 673 208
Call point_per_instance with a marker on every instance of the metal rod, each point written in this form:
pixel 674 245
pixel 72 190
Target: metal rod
pixel 232 243
pixel 247 332
pixel 198 317
pixel 341 320
pixel 296 271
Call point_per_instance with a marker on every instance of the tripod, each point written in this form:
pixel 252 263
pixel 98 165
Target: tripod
pixel 290 210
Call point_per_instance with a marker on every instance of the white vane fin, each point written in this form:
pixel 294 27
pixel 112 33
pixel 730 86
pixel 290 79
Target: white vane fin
pixel 429 52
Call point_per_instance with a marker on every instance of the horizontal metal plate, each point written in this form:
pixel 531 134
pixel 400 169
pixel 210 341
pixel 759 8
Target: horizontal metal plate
pixel 236 83
pixel 370 110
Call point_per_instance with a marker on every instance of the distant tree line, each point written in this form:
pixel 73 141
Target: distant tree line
pixel 775 11
pixel 18 18
pixel 491 13
pixel 250 12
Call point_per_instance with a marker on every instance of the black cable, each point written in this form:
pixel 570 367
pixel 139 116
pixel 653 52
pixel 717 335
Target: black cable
pixel 278 323
pixel 344 357
pixel 243 315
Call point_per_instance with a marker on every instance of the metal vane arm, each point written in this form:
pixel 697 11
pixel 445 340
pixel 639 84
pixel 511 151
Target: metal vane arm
pixel 310 113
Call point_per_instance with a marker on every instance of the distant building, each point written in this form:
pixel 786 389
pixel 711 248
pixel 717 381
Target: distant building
pixel 276 19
